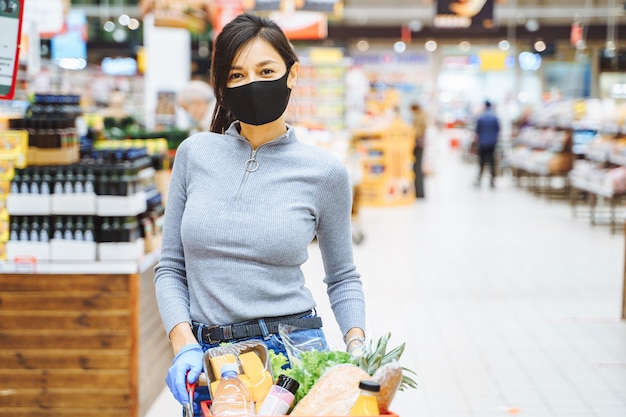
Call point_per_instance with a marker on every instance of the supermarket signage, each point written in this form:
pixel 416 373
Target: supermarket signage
pixel 302 25
pixel 334 7
pixel 459 14
pixel 47 16
pixel 458 61
pixel 389 58
pixel 119 66
pixel 10 28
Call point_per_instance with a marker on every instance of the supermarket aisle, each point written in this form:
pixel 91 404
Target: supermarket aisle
pixel 507 305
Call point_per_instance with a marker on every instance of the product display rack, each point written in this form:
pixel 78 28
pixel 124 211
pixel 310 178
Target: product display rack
pixel 319 97
pixel 80 330
pixel 598 180
pixel 387 160
pixel 541 159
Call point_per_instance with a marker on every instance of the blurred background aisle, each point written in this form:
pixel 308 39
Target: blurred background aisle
pixel 507 304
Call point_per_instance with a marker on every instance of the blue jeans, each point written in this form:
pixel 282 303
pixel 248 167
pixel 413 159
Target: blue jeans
pixel 272 342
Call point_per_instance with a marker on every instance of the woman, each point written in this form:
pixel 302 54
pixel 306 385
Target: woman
pixel 245 201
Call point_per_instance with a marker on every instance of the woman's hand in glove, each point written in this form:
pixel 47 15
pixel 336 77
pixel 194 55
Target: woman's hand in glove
pixel 186 367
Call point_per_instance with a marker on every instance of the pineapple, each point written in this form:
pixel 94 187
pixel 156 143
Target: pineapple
pixel 375 355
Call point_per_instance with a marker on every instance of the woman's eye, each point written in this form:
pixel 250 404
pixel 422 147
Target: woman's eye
pixel 267 71
pixel 235 76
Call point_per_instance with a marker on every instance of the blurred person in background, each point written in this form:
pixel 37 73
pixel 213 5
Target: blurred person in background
pixel 419 124
pixel 487 132
pixel 198 101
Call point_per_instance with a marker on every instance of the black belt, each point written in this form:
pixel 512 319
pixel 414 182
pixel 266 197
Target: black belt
pixel 211 334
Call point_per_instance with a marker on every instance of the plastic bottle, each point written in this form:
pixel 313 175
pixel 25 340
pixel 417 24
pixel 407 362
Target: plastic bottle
pixel 367 403
pixel 280 397
pixel 231 397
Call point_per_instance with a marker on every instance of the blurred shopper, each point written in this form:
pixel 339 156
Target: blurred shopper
pixel 487 132
pixel 198 101
pixel 245 201
pixel 419 125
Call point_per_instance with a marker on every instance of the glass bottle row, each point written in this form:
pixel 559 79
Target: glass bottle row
pixel 76 228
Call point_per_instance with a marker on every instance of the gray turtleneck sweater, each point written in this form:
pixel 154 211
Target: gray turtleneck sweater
pixel 238 224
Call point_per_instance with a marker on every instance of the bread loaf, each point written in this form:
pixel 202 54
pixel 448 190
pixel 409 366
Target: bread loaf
pixel 334 393
pixel 389 376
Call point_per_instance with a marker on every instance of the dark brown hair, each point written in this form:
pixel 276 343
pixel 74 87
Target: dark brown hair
pixel 237 33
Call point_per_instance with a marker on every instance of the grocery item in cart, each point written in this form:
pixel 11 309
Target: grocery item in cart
pixel 231 397
pixel 367 403
pixel 281 396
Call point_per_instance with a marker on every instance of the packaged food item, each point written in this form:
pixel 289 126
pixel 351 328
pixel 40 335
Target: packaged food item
pixel 231 397
pixel 280 397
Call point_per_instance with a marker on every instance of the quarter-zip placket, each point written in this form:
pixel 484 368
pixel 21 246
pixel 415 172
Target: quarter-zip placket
pixel 250 165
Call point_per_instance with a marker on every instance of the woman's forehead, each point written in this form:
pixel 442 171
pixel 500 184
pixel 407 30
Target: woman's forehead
pixel 256 52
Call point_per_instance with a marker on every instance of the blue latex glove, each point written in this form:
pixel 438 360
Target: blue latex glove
pixel 187 364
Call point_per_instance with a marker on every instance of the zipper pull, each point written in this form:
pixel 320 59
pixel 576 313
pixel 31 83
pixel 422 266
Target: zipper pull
pixel 252 164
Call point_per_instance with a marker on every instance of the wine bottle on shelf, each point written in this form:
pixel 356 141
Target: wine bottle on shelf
pixel 46 182
pixel 89 233
pixel 34 230
pixel 35 183
pixel 79 183
pixel 79 228
pixel 16 182
pixel 44 234
pixel 59 181
pixel 58 228
pixel 68 185
pixel 24 232
pixel 90 180
pixel 14 231
pixel 68 229
pixel 25 183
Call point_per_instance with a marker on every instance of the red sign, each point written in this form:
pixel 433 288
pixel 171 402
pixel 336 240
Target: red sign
pixel 576 34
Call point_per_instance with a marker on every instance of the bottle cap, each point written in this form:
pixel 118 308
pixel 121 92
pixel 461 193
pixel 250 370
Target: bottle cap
pixel 288 383
pixel 229 367
pixel 369 386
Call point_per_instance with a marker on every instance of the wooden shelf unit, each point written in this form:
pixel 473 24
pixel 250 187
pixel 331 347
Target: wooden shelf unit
pixel 80 344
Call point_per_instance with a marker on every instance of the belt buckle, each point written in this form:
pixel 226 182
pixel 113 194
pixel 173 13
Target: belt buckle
pixel 207 330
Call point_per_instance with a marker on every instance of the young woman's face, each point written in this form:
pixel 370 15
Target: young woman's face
pixel 257 61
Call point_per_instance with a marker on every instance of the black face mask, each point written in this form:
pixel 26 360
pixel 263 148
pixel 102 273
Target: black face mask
pixel 258 102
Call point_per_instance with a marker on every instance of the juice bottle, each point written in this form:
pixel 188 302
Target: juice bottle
pixel 367 403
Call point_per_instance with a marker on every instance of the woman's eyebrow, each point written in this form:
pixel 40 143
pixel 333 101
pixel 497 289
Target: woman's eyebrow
pixel 259 64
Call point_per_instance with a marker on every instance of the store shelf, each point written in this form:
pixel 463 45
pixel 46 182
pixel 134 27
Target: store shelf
pixel 387 163
pixel 29 266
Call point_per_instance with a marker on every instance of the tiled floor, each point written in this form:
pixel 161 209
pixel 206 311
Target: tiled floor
pixel 507 304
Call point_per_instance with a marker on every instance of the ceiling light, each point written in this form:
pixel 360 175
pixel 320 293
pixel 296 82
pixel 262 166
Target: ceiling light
pixel 415 25
pixel 133 24
pixel 123 19
pixel 532 25
pixel 362 45
pixel 504 45
pixel 540 46
pixel 430 46
pixel 108 26
pixel 399 47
